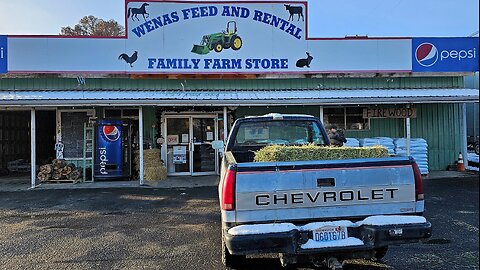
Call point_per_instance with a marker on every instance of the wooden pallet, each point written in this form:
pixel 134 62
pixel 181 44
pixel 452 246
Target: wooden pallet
pixel 61 181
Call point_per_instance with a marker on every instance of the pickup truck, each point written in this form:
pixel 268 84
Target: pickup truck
pixel 319 211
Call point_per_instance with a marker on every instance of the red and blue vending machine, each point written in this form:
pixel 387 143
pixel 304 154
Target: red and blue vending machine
pixel 113 149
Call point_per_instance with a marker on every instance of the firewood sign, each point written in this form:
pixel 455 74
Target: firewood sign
pixel 390 113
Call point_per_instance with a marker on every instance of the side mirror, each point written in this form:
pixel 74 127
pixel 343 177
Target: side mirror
pixel 217 144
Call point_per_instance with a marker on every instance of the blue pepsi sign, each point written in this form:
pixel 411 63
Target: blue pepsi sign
pixel 3 54
pixel 445 54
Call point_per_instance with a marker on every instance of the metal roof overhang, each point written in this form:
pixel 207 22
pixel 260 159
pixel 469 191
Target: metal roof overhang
pixel 234 98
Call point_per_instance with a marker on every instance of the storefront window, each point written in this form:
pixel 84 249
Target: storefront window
pixel 355 120
pixel 130 113
pixel 121 113
pixel 334 116
pixel 349 118
pixel 110 113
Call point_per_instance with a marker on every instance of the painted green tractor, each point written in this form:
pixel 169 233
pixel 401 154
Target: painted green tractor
pixel 219 41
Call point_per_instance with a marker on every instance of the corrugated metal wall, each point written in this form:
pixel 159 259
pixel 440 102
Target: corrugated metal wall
pixel 441 125
pixel 472 108
pixel 228 84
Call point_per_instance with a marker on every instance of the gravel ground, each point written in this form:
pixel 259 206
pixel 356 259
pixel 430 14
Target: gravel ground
pixel 179 229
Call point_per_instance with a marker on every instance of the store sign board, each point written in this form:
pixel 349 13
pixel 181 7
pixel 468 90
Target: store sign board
pixel 390 113
pixel 212 37
pixel 199 37
pixel 445 54
pixel 3 54
pixel 172 139
pixel 64 55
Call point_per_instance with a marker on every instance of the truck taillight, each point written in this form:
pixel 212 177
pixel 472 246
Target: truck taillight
pixel 228 191
pixel 418 182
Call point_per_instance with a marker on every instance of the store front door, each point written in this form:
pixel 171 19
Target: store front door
pixel 188 144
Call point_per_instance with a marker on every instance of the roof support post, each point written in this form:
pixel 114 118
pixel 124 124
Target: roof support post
pixel 407 127
pixel 140 144
pixel 225 125
pixel 321 115
pixel 464 134
pixel 33 148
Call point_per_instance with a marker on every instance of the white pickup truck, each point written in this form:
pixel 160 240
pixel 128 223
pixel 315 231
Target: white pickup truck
pixel 319 211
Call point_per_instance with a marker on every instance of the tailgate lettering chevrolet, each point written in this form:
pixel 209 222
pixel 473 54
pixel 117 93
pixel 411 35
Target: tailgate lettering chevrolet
pixel 325 196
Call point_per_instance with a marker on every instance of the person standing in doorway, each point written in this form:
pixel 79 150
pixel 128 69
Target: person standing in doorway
pixel 336 138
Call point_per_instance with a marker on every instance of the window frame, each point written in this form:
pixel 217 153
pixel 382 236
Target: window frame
pixel 344 114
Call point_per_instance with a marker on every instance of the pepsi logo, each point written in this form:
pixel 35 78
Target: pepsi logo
pixel 426 54
pixel 111 133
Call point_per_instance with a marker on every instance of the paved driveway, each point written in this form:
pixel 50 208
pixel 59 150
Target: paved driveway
pixel 179 229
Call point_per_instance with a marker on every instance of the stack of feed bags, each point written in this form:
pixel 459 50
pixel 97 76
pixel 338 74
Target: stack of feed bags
pixel 383 141
pixel 472 162
pixel 418 150
pixel 352 142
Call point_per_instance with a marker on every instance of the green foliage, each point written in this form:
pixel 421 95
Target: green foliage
pixel 273 153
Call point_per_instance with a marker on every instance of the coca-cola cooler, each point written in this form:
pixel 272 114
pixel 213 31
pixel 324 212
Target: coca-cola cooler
pixel 113 148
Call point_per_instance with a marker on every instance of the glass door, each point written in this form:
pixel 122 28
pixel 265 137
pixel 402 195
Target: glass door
pixel 189 144
pixel 204 132
pixel 178 145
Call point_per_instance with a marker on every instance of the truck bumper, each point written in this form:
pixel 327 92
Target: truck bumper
pixel 373 237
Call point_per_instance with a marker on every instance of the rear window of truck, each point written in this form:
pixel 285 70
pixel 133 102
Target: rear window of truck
pixel 284 132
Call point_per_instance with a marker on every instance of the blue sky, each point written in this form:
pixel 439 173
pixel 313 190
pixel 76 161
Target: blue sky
pixel 332 18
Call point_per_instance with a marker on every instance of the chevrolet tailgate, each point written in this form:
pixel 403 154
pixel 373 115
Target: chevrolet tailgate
pixel 324 190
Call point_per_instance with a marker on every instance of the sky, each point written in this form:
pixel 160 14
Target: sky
pixel 332 18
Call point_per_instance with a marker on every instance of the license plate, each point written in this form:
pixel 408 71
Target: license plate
pixel 327 234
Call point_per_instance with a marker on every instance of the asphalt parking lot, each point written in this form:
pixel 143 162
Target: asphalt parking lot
pixel 136 228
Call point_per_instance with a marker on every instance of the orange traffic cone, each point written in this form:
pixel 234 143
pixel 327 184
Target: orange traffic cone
pixel 460 164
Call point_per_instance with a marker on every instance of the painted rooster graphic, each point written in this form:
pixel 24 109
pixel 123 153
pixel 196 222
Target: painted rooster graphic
pixel 129 59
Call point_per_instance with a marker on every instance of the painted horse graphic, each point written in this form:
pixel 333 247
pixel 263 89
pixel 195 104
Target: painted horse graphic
pixel 135 11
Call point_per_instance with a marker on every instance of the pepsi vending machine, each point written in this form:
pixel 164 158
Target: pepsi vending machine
pixel 112 149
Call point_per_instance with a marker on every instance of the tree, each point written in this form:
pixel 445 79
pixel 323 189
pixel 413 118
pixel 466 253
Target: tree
pixel 93 26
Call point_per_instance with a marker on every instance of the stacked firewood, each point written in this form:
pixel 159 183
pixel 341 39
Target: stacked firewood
pixel 58 170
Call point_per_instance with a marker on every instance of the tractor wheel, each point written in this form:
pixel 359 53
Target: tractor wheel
pixel 236 43
pixel 218 47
